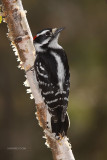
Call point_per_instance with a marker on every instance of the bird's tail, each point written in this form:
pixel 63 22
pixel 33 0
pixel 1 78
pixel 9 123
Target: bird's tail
pixel 60 122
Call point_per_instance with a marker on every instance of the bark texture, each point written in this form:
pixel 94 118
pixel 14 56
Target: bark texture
pixel 22 43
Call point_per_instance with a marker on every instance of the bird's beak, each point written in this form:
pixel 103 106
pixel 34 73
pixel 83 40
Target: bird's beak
pixel 56 31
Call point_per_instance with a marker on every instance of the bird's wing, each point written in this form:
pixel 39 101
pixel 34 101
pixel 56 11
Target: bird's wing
pixel 46 86
pixel 50 91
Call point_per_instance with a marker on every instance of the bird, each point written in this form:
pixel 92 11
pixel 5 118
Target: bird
pixel 53 78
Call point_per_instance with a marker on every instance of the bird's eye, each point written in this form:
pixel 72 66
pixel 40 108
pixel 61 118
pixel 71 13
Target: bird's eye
pixel 48 34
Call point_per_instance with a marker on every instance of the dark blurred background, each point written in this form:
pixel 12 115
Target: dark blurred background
pixel 85 41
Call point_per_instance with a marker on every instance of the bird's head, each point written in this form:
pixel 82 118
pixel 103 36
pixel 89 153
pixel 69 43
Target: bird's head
pixel 47 38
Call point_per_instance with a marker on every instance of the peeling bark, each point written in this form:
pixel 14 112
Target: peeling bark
pixel 22 41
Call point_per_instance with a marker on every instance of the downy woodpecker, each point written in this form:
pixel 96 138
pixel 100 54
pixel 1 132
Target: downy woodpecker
pixel 53 77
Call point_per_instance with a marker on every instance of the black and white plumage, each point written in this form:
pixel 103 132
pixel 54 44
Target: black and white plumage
pixel 53 77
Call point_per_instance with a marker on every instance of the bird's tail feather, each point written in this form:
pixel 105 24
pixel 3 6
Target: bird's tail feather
pixel 60 126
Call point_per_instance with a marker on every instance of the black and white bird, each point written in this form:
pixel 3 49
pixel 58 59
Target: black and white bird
pixel 53 77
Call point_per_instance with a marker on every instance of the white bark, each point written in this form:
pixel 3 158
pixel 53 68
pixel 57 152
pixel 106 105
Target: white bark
pixel 21 38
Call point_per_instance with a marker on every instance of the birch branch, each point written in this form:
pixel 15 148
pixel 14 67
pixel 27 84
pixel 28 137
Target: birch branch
pixel 22 43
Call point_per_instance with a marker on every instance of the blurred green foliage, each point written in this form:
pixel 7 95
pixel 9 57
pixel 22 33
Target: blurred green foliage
pixel 85 41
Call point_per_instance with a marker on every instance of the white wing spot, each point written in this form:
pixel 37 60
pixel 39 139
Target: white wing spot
pixel 41 74
pixel 60 92
pixel 43 83
pixel 42 68
pixel 65 98
pixel 49 102
pixel 46 93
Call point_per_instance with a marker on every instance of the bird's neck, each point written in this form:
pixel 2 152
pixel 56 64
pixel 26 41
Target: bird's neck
pixel 52 45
